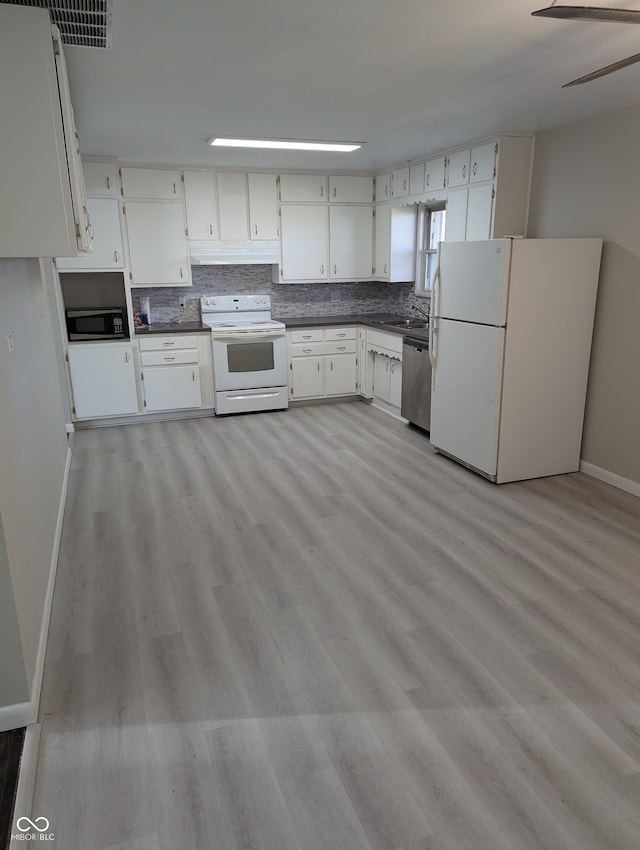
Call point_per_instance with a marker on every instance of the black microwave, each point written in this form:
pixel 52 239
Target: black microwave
pixel 101 323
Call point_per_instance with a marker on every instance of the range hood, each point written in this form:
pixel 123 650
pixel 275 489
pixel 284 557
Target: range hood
pixel 234 253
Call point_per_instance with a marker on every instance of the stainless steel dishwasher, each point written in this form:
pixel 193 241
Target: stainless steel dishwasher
pixel 416 382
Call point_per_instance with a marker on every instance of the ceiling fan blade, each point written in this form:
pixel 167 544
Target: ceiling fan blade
pixel 602 72
pixel 590 13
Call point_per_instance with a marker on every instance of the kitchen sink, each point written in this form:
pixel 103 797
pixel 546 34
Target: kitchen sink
pixel 409 323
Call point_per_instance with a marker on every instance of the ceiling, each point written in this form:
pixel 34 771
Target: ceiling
pixel 409 77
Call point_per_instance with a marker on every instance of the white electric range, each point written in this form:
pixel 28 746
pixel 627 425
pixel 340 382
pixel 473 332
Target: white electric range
pixel 249 353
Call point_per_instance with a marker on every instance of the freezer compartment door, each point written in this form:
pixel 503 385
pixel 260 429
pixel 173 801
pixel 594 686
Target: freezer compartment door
pixel 465 393
pixel 474 281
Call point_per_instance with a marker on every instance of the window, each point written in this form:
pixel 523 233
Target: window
pixel 431 224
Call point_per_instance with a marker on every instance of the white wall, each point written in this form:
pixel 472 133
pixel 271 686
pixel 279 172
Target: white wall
pixel 33 454
pixel 586 182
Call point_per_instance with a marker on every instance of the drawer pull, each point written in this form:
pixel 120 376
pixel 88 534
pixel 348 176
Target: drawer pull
pixel 306 350
pixel 169 358
pixel 341 347
pixel 341 334
pixel 306 336
pixel 168 343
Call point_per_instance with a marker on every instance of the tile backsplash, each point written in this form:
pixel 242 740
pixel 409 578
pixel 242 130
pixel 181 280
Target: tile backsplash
pixel 287 300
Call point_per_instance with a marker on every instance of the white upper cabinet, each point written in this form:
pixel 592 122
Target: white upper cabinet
pixel 434 174
pixel 456 224
pixel 483 162
pixel 350 242
pixel 264 222
pixel 400 182
pixel 100 178
pixel 395 243
pixel 300 188
pixel 383 187
pixel 304 242
pixel 200 195
pixel 233 205
pixel 459 168
pixel 479 212
pixel 416 179
pixel 41 205
pixel 151 183
pixel 157 244
pixel 351 189
pixel 107 252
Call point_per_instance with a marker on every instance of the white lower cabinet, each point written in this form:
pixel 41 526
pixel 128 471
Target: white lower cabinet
pixel 175 372
pixel 103 379
pixel 384 369
pixel 323 362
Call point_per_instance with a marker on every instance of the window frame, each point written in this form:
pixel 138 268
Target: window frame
pixel 425 270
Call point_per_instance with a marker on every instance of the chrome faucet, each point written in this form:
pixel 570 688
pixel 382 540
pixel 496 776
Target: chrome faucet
pixel 420 310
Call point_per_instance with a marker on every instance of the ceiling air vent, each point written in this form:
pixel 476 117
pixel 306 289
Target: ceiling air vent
pixel 82 23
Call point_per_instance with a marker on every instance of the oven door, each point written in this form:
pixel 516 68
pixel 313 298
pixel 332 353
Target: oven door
pixel 243 361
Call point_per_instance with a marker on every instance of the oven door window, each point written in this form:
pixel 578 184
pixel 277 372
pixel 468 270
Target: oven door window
pixel 250 356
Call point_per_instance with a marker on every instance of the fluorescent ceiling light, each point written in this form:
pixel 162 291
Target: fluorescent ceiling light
pixel 285 144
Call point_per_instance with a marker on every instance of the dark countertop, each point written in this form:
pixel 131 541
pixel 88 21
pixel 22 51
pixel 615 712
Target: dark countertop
pixel 173 328
pixel 371 320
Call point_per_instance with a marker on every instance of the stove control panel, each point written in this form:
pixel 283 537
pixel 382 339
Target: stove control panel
pixel 231 303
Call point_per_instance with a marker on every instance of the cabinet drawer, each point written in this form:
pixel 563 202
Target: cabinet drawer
pixel 316 348
pixel 340 333
pixel 169 357
pixel 308 335
pixel 163 343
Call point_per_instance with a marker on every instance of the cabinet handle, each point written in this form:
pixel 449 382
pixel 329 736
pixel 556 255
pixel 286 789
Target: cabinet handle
pixel 341 334
pixel 331 365
pixel 306 351
pixel 475 168
pixel 126 357
pixel 386 269
pixel 115 256
pixel 335 269
pixel 426 180
pixel 318 365
pixel 386 190
pixel 210 230
pixel 181 275
pixel 464 171
pixel 322 191
pixel 168 343
pixel 342 348
pixel 404 185
pixel 306 336
pixel 334 191
pixel 169 358
pixel 322 269
pixel 193 376
pixel 108 182
pixel 174 188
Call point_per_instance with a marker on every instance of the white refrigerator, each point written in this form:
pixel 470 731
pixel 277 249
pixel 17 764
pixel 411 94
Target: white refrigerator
pixel 510 340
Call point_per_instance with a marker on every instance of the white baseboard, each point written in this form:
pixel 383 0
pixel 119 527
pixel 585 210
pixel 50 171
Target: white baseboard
pixel 16 716
pixel 618 481
pixel 36 684
pixel 26 781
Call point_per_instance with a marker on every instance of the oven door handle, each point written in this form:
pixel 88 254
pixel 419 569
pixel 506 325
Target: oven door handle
pixel 249 337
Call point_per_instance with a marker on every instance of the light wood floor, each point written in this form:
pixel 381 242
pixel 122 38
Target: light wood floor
pixel 305 631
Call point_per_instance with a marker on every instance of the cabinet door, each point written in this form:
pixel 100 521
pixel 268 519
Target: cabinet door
pixel 400 182
pixel 395 383
pixel 157 244
pixel 298 188
pixel 381 377
pixel 456 221
pixel 103 380
pixel 383 241
pixel 383 187
pixel 459 168
pixel 416 179
pixel 350 242
pixel 350 189
pixel 151 183
pixel 479 212
pixel 233 208
pixel 483 162
pixel 263 206
pixel 304 242
pixel 100 178
pixel 340 374
pixel 364 378
pixel 107 239
pixel 307 377
pixel 434 174
pixel 171 387
pixel 200 194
